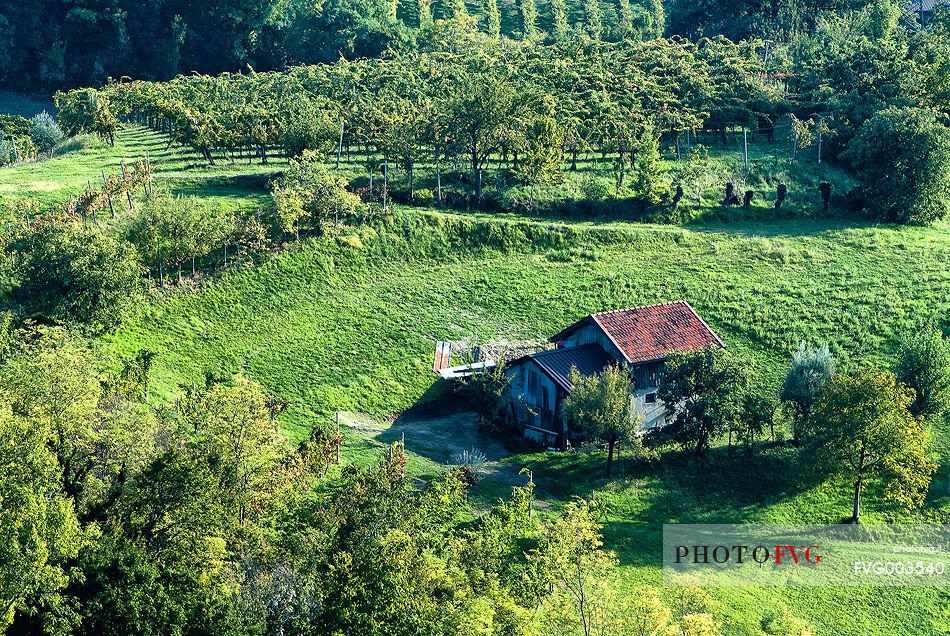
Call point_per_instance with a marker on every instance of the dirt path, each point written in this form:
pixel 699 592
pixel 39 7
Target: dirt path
pixel 443 439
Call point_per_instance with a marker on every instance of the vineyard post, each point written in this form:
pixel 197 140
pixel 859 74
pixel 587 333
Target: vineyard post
pixel 337 437
pixel 128 189
pixel 339 147
pixel 385 184
pixel 820 126
pixel 148 174
pixel 745 148
pixel 105 190
pixel 438 184
pixel 531 494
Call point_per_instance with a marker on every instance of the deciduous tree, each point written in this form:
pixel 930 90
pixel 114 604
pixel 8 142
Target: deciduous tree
pixel 902 156
pixel 600 406
pixel 862 429
pixel 704 394
pixel 923 364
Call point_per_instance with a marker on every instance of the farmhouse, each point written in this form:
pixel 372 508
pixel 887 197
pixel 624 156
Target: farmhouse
pixel 639 338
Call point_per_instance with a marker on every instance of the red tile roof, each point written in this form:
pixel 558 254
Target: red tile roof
pixel 651 332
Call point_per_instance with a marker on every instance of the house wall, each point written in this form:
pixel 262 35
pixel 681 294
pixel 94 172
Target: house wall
pixel 591 333
pixel 646 376
pixel 536 411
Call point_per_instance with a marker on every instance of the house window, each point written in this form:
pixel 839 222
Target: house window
pixel 650 398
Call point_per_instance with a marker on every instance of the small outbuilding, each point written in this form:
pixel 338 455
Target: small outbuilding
pixel 639 338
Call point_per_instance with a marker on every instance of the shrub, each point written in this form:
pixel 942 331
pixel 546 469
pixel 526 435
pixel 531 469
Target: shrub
pixel 45 132
pixel 902 156
pixel 68 273
pixel 810 371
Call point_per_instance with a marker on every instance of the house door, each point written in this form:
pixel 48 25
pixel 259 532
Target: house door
pixel 547 416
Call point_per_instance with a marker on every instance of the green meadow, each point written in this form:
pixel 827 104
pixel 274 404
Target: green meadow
pixel 348 323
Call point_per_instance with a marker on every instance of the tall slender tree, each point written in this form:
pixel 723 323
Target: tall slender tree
pixel 529 18
pixel 492 18
pixel 559 26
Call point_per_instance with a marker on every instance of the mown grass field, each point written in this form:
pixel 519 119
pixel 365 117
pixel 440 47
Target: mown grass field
pixel 348 322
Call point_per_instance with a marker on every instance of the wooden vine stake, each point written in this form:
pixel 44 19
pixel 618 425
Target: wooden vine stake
pixel 148 175
pixel 128 189
pixel 105 190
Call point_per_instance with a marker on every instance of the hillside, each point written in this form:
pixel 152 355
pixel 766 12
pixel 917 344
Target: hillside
pixel 348 324
pixel 238 236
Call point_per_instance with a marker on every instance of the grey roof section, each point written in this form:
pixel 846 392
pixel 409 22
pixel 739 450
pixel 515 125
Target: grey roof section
pixel 589 359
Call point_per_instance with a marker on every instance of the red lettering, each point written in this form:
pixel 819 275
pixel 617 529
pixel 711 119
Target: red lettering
pixel 781 548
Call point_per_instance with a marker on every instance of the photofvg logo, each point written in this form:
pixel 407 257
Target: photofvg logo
pixel 822 555
pixel 739 554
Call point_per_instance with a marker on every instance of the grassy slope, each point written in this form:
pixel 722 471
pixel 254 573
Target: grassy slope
pixel 349 325
pixel 341 325
pixel 51 181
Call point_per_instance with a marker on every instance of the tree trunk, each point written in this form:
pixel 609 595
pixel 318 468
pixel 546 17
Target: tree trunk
pixel 610 456
pixel 856 514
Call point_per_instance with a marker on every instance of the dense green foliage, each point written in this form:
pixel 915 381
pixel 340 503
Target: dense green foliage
pixel 45 132
pixel 198 518
pixel 863 429
pixel 55 44
pixel 599 407
pixel 903 158
pixel 73 274
pixel 924 366
pixel 705 393
pixel 511 112
pixel 810 371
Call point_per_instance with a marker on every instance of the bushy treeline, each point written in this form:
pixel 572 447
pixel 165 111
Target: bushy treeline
pixel 198 518
pixel 460 100
pixel 865 425
pixel 54 43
